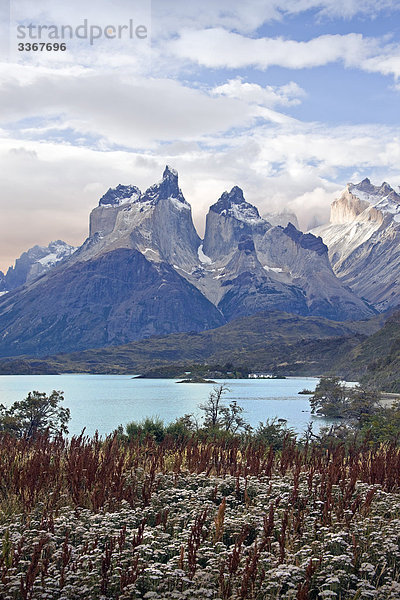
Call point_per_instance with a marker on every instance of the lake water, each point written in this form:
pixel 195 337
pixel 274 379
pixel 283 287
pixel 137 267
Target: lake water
pixel 102 402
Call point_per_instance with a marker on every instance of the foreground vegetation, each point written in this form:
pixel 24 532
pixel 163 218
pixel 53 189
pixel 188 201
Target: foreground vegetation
pixel 210 510
pixel 197 519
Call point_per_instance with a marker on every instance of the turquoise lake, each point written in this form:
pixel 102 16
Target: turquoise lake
pixel 102 402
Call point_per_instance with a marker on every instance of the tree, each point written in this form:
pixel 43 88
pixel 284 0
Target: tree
pixel 329 398
pixel 217 416
pixel 333 399
pixel 37 413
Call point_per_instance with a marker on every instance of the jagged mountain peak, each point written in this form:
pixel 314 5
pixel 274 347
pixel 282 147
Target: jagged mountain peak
pixel 34 262
pixel 122 194
pixel 144 271
pixel 233 204
pixel 168 187
pixel 374 194
pixel 363 239
pixel 308 241
pixel 170 173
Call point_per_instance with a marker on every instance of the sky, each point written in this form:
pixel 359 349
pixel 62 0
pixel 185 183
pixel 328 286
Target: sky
pixel 288 99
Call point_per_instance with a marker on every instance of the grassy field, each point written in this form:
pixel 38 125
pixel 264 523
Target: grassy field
pixel 90 519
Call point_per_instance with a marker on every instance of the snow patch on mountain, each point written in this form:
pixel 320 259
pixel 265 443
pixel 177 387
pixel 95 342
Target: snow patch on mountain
pixel 243 212
pixel 202 257
pixel 233 204
pixel 274 269
pixel 179 204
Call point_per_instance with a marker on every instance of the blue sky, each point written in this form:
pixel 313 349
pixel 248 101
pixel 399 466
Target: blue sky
pixel 289 99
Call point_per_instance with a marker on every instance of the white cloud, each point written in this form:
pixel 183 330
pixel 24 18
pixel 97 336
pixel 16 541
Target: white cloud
pixel 170 16
pixel 219 48
pixel 63 117
pixel 289 94
pixel 125 112
pixel 313 207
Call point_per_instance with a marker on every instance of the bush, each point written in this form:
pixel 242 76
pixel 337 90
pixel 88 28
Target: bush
pixel 273 433
pixel 182 428
pixel 149 427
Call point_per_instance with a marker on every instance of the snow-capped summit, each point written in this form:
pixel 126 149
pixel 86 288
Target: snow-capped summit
pixel 363 238
pixel 144 271
pixel 233 204
pixel 382 198
pixel 167 188
pixel 157 222
pixel 34 262
pixel 365 202
pixel 230 220
pixel 122 194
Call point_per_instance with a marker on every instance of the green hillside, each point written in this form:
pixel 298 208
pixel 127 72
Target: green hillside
pixel 275 342
pixel 376 360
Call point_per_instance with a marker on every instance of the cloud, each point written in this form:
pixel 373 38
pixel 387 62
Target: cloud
pixel 313 207
pixel 219 48
pixel 76 124
pixel 123 112
pixel 170 16
pixel 289 94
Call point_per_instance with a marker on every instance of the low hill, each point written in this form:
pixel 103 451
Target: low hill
pixel 276 342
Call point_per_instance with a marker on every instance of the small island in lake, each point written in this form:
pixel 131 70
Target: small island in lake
pixel 196 380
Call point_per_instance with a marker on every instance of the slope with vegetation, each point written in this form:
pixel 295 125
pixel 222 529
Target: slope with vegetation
pixel 276 342
pixel 376 360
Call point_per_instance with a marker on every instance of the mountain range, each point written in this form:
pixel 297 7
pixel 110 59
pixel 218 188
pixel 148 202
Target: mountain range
pixel 144 271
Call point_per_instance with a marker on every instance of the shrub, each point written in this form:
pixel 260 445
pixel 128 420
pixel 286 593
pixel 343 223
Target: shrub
pixel 149 427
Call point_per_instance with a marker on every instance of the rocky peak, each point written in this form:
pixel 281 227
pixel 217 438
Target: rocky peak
pixel 233 204
pixel 308 241
pixel 366 187
pixel 170 175
pixel 232 224
pixel 35 261
pixel 122 194
pixel 168 187
pixel 365 190
pixel 366 203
